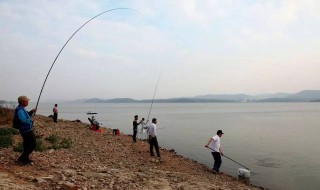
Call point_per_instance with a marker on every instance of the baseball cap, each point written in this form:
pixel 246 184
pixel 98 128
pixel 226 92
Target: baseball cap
pixel 219 131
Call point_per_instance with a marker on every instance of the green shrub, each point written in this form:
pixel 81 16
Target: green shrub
pixel 65 143
pixel 39 145
pixel 52 139
pixel 6 141
pixel 8 131
pixel 54 146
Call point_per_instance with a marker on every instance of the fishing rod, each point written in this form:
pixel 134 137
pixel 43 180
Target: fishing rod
pixel 154 94
pixel 68 42
pixel 230 159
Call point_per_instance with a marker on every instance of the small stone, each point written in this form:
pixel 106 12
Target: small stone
pixel 69 186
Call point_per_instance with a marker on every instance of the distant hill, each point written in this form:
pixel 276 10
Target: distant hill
pixel 233 97
pixel 303 96
pixel 115 100
pixel 306 95
pixel 267 96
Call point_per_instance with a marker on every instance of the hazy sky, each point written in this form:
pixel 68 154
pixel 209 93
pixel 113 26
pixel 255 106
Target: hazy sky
pixel 199 47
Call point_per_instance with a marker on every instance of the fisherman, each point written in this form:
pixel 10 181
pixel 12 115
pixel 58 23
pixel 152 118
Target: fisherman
pixel 55 113
pixel 22 120
pixel 135 128
pixel 152 131
pixel 216 151
pixel 143 131
pixel 95 123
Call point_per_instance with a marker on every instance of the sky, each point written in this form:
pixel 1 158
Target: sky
pixel 194 47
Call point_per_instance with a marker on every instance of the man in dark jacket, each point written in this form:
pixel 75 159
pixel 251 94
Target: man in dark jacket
pixel 135 128
pixel 23 121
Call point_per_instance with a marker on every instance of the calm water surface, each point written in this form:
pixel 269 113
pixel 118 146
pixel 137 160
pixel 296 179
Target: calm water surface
pixel 279 142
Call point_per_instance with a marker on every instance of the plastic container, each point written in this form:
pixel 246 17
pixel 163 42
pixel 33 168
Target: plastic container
pixel 243 173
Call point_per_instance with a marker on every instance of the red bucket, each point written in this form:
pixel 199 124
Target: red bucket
pixel 116 132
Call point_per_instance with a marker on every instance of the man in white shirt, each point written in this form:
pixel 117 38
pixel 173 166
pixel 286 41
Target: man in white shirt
pixel 143 130
pixel 216 151
pixel 152 131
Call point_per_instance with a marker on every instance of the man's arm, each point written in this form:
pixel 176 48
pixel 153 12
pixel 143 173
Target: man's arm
pixel 220 150
pixel 210 140
pixel 32 112
pixel 22 117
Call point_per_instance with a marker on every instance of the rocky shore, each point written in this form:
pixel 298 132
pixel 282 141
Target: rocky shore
pixel 103 161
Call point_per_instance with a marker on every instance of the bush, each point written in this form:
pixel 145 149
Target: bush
pixel 5 141
pixel 39 146
pixel 8 131
pixel 6 137
pixel 52 139
pixel 65 143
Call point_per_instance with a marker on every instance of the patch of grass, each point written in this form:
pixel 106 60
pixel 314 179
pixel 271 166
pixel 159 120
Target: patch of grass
pixel 6 141
pixel 52 139
pixel 6 137
pixel 8 131
pixel 65 143
pixel 39 146
pixel 56 143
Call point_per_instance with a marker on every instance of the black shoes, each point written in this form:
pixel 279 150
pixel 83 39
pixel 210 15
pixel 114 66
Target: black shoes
pixel 25 161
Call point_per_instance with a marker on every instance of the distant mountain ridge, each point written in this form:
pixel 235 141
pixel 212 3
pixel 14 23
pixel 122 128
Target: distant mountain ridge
pixel 302 96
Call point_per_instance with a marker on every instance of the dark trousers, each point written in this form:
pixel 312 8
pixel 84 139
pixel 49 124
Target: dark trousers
pixel 29 144
pixel 134 135
pixel 55 117
pixel 217 161
pixel 154 142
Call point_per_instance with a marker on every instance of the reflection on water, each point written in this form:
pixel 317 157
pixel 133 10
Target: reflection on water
pixel 269 162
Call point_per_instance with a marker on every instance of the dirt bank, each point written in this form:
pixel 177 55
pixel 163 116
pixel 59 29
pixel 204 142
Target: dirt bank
pixel 103 161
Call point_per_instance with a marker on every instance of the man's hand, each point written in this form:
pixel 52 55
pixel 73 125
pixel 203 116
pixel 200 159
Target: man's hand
pixel 34 110
pixel 221 153
pixel 206 146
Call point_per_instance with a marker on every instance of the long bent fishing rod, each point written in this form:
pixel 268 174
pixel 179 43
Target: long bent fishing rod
pixel 68 42
pixel 230 159
pixel 154 94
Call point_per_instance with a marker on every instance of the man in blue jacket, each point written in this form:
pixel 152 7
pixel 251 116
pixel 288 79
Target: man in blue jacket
pixel 23 121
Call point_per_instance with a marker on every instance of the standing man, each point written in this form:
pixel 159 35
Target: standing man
pixel 152 131
pixel 22 120
pixel 135 128
pixel 55 113
pixel 143 129
pixel 216 151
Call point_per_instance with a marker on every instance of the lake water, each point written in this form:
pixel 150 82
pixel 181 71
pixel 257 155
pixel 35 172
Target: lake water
pixel 279 142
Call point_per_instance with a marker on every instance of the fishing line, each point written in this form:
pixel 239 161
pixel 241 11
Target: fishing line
pixel 154 94
pixel 68 42
pixel 231 159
